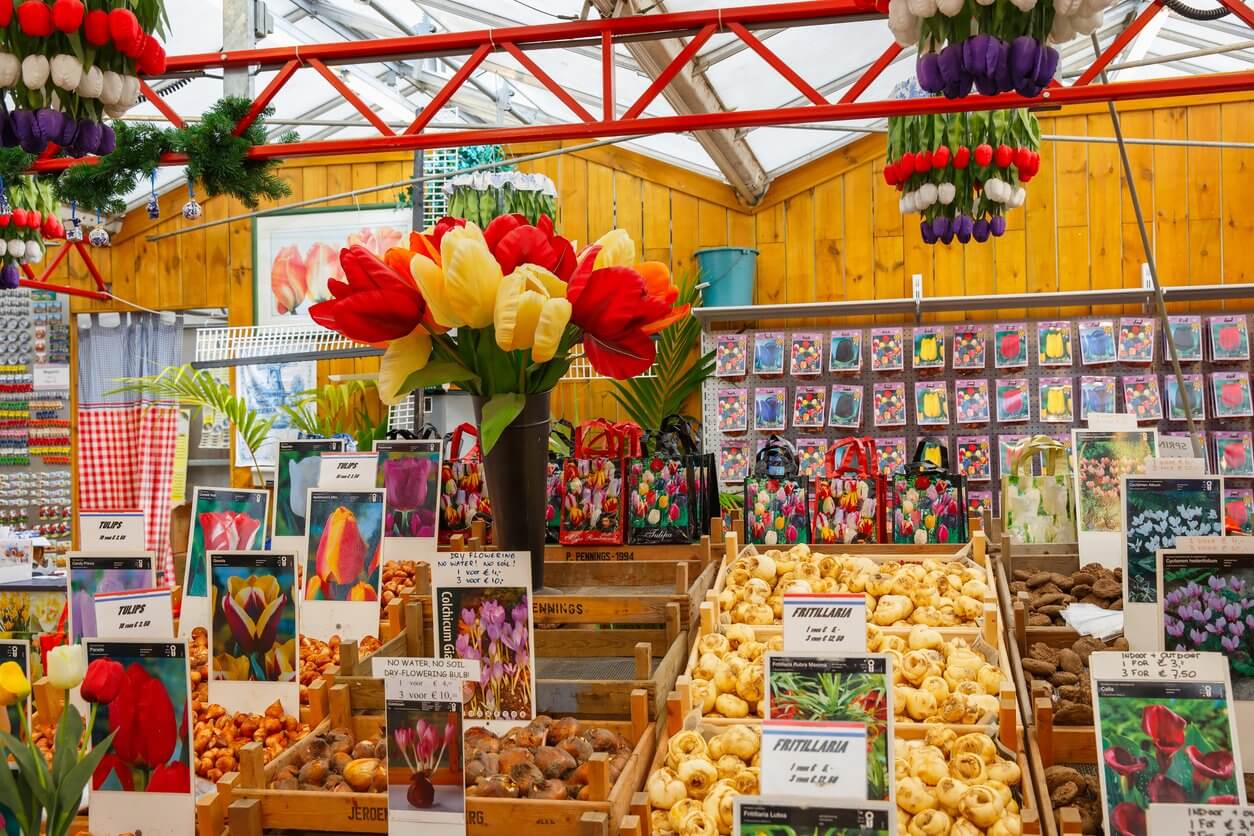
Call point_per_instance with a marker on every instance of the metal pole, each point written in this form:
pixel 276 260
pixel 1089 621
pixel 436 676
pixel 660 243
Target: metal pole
pixel 239 32
pixel 1199 448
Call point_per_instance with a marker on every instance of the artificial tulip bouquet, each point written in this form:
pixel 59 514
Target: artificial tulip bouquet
pixel 520 298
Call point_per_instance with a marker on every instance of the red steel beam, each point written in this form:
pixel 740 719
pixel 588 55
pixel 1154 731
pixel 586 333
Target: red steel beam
pixel 352 98
pixel 160 104
pixel 450 87
pixel 872 72
pixel 607 76
pixel 753 42
pixel 267 96
pixel 671 70
pixel 548 82
pixel 1241 10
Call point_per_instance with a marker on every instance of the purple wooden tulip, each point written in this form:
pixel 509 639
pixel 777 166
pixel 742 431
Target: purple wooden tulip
pixel 23 121
pixel 975 54
pixel 1024 51
pixel 1005 81
pixel 986 85
pixel 951 63
pixel 928 70
pixel 997 225
pixel 1047 67
pixel 10 276
pixel 964 84
pixel 979 231
pixel 108 140
pixel 50 123
pixel 88 139
pixel 925 229
pixel 941 225
pixel 69 130
pixel 948 237
pixel 962 228
pixel 993 56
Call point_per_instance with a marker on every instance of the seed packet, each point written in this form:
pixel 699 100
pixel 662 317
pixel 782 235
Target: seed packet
pixel 1229 338
pixel 1136 340
pixel 1056 399
pixel 807 354
pixel 1097 394
pixel 1005 443
pixel 971 401
pixel 809 406
pixel 845 351
pixel 1234 452
pixel 890 453
pixel 811 456
pixel 770 407
pixel 730 355
pixel 846 410
pixel 1186 332
pixel 1097 342
pixel 1010 345
pixel 1014 400
pixel 888 404
pixel 975 458
pixel 1194 391
pixel 969 347
pixel 929 347
pixel 931 403
pixel 887 353
pixel 1239 510
pixel 1232 394
pixel 1141 397
pixel 768 352
pixel 979 501
pixel 1053 343
pixel 733 410
pixel 733 462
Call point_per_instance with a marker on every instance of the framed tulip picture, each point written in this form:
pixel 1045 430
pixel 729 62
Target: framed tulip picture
pixel 297 254
pixel 343 552
pixel 89 573
pixel 1186 333
pixel 144 781
pixel 223 519
pixel 265 388
pixel 254 648
pixel 409 471
pixel 296 471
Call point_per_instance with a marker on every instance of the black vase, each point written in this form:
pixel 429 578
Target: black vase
pixel 515 471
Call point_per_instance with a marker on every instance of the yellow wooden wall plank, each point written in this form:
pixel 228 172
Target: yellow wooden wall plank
pixel 1105 203
pixel 683 232
pixel 799 249
pixel 711 224
pixel 657 222
pixel 742 230
pixel 890 280
pixel 1170 215
pixel 1011 252
pixel 1237 170
pixel 1040 223
pixel 600 201
pixel 829 231
pixel 629 208
pixel 572 191
pixel 859 247
pixel 1139 124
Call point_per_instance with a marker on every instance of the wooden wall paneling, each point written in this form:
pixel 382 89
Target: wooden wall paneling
pixel 339 180
pixel 1203 197
pixel 1040 223
pixel 683 232
pixel 1170 183
pixel 629 208
pixel 657 222
pixel 1105 212
pixel 600 201
pixel 711 225
pixel 1237 171
pixel 1138 123
pixel 829 232
pixel 948 271
pixel 1071 196
pixel 859 248
pixel 572 190
pixel 799 230
pixel 772 270
pixel 742 230
pixel 979 269
pixel 173 275
pixel 1010 256
pixel 217 254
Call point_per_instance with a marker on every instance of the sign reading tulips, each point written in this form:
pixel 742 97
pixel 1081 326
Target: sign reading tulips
pixel 90 574
pixel 344 542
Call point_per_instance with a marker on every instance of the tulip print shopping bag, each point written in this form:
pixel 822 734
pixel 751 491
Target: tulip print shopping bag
pixel 777 507
pixel 592 480
pixel 929 500
pixel 561 445
pixel 463 493
pixel 660 493
pixel 847 505
pixel 1038 509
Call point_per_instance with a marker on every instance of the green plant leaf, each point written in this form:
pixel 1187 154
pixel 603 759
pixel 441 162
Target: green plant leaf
pixel 69 733
pixel 17 801
pixel 28 769
pixel 71 788
pixel 437 374
pixel 499 413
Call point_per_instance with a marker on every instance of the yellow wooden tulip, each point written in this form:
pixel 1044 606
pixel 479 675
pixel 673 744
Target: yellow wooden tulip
pixel 531 312
pixel 617 250
pixel 461 289
pixel 402 358
pixel 430 280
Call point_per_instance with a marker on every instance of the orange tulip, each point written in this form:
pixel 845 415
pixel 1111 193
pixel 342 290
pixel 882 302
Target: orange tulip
pixel 289 280
pixel 342 550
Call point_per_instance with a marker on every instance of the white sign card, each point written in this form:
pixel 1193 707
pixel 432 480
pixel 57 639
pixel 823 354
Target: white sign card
pixel 1188 820
pixel 296 470
pixel 824 622
pixel 1158 717
pixel 409 470
pixel 50 377
pixel 1112 421
pixel 1212 578
pixel 799 691
pixel 17 558
pixel 343 551
pixel 137 614
pixel 89 573
pixel 347 470
pixel 426 775
pixel 474 593
pixel 159 800
pixel 1101 457
pixel 11 717
pixel 814 760
pixel 1176 447
pixel 223 519
pixel 753 815
pixel 111 530
pixel 254 636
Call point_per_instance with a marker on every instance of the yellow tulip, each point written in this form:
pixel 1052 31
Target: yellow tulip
pixel 430 280
pixel 231 668
pixel 617 250
pixel 14 686
pixel 402 358
pixel 531 312
pixel 472 276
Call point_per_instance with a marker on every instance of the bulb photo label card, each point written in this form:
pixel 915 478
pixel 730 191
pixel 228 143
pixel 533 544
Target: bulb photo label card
pixel 1097 342
pixel 756 815
pixel 1141 397
pixel 806 356
pixel 1155 512
pixel 1053 344
pixel 1010 345
pixel 1234 453
pixel 887 350
pixel 11 716
pixel 1188 820
pixel 343 553
pixel 733 410
pixel 296 471
pixel 929 347
pixel 1097 394
pixel 112 530
pixel 1193 393
pixel 409 472
pixel 888 404
pixel 811 456
pixel 846 406
pixel 223 519
pixel 971 401
pixel 768 353
pixel 1102 458
pixel 1056 400
pixel 1231 392
pixel 483 613
pixel 254 640
pixel 1229 339
pixel 975 458
pixel 1136 340
pixel 144 781
pixel 809 409
pixel 770 408
pixel 91 573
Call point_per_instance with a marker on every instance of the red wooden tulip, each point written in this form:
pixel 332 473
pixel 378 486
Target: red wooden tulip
pixel 6 12
pixel 96 27
pixel 34 17
pixel 376 304
pixel 124 29
pixel 151 56
pixel 67 15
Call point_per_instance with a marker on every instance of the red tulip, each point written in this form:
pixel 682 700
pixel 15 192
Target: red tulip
pixel 923 161
pixel 341 554
pixel 1213 766
pixel 228 530
pixel 1163 790
pixel 96 27
pixel 103 682
pixel 962 157
pixel 1129 820
pixel 428 243
pixel 940 157
pixel 143 717
pixel 174 777
pixel 376 303
pixel 513 241
pixel 67 15
pixel 6 12
pixel 125 31
pixel 112 763
pixel 983 154
pixel 34 17
pixel 1004 155
pixel 1222 799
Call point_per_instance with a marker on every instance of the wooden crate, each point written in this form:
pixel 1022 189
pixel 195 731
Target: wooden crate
pixel 1062 559
pixel 251 809
pixel 1048 745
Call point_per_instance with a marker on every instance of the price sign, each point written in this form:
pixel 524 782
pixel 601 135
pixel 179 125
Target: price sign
pixel 1112 421
pixel 138 614
pixel 347 470
pixel 814 760
pixel 114 530
pixel 1189 820
pixel 824 622
pixel 753 815
pixel 1175 465
pixel 413 678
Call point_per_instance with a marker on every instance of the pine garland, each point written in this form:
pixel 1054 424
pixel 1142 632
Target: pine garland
pixel 103 187
pixel 218 158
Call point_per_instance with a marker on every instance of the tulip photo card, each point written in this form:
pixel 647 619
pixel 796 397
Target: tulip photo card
pixel 223 519
pixel 426 760
pixel 733 462
pixel 1097 342
pixel 770 408
pixel 11 716
pixel 1005 447
pixel 1010 345
pixel 482 603
pixel 1186 332
pixel 929 347
pixel 730 356
pixel 733 410
pixel 91 573
pixel 890 454
pixel 846 406
pixel 1141 397
pixel 1097 394
pixel 1166 733
pixel 809 407
pixel 1014 400
pixel 887 350
pixel 969 347
pixel 295 473
pixel 142 691
pixel 1157 510
pixel 768 353
pixel 343 552
pixel 811 456
pixel 660 493
pixel 777 511
pixel 931 403
pixel 888 404
pixel 1194 393
pixel 844 351
pixel 1136 340
pixel 806 357
pixel 979 501
pixel 1229 338
pixel 254 656
pixel 409 471
pixel 1102 458
pixel 1053 343
pixel 1056 399
pixel 1231 391
pixel 1234 452
pixel 975 458
pixel 1238 517
pixel 971 401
